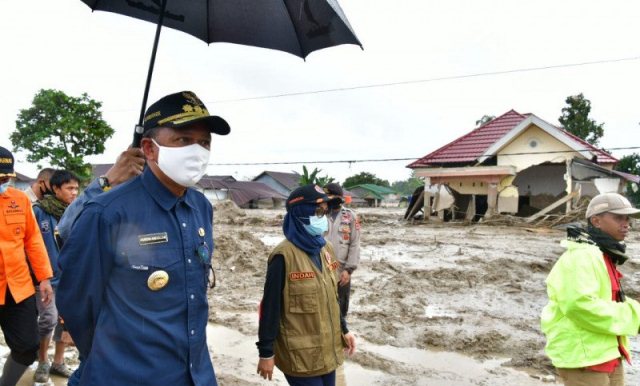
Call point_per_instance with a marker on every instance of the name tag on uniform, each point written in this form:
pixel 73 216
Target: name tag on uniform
pixel 153 238
pixel 301 275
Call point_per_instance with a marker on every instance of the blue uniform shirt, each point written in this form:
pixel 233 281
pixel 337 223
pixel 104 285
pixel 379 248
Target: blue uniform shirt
pixel 127 333
pixel 47 224
pixel 73 211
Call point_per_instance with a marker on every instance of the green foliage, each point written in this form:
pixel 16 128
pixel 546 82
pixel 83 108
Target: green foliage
pixel 485 119
pixel 575 119
pixel 407 186
pixel 61 129
pixel 631 164
pixel 307 178
pixel 364 178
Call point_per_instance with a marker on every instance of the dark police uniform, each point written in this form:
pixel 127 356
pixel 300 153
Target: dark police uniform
pixel 133 288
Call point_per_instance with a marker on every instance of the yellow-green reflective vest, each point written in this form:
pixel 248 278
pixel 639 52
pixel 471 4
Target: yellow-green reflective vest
pixel 581 322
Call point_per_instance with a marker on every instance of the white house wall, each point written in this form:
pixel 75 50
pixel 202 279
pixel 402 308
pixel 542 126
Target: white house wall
pixel 465 186
pixel 534 140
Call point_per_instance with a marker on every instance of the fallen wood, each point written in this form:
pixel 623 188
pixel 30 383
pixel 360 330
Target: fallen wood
pixel 552 206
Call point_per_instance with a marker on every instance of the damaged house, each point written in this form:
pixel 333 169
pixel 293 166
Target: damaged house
pixel 516 164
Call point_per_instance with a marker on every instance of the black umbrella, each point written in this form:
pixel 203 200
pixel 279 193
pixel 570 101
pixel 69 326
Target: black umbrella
pixel 298 27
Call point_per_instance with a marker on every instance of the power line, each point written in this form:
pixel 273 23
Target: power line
pixel 403 159
pixel 436 79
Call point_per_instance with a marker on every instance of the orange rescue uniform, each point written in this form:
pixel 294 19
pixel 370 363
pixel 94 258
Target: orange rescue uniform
pixel 20 234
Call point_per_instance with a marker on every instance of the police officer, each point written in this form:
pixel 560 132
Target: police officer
pixel 19 233
pixel 344 235
pixel 133 288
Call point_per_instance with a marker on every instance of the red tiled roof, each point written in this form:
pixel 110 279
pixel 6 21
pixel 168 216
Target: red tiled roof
pixel 603 156
pixel 474 144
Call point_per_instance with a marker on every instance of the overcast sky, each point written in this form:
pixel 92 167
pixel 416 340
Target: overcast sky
pixel 61 44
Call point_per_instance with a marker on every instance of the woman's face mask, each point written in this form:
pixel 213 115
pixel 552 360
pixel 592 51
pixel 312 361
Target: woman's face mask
pixel 184 165
pixel 317 225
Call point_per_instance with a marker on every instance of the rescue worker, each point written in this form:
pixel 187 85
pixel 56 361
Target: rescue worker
pixel 301 330
pixel 344 235
pixel 588 319
pixel 135 267
pixel 48 212
pixel 40 186
pixel 19 233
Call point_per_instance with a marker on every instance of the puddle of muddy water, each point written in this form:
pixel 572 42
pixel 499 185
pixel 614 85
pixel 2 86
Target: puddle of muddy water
pixel 235 354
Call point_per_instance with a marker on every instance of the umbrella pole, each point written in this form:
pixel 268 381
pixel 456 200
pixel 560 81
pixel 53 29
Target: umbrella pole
pixel 137 134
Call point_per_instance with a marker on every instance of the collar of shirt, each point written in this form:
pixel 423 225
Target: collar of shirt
pixel 161 194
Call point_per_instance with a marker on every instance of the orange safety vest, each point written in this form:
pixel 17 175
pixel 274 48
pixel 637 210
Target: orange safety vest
pixel 20 239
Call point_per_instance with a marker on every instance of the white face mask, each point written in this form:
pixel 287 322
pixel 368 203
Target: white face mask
pixel 184 165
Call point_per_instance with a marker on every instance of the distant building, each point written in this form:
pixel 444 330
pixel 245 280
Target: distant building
pixel 245 194
pixel 98 170
pixel 22 182
pixel 283 183
pixel 374 195
pixel 517 163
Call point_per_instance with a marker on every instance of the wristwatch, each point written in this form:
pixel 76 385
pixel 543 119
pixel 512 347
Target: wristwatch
pixel 103 181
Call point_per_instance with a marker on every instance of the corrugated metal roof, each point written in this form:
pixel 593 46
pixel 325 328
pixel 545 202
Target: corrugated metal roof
pixel 288 180
pixel 376 191
pixel 24 178
pixel 241 192
pixel 474 144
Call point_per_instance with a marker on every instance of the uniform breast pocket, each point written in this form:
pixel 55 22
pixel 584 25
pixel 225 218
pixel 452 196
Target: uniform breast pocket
pixel 149 275
pixel 158 258
pixel 303 297
pixel 16 224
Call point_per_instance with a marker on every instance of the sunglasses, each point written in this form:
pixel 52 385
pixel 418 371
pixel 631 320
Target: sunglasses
pixel 204 254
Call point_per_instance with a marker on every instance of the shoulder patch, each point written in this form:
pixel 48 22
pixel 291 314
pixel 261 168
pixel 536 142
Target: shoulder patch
pixel 44 226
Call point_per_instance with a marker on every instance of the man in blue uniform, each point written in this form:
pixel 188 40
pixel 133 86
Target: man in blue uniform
pixel 48 212
pixel 136 264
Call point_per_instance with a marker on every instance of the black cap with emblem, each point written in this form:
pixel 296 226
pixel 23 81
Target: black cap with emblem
pixel 182 109
pixel 308 194
pixel 6 163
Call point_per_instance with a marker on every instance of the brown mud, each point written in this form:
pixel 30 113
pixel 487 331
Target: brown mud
pixel 432 304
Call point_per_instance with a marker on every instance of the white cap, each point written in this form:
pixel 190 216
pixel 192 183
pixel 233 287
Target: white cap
pixel 612 203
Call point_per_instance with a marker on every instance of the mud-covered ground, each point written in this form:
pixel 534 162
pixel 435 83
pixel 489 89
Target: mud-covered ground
pixel 432 304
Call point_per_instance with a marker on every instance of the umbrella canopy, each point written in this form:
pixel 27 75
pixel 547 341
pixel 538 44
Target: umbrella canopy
pixel 298 27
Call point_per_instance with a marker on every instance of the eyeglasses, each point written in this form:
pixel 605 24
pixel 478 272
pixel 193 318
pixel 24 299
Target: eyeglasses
pixel 204 254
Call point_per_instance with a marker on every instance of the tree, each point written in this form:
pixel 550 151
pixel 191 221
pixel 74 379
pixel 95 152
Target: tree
pixel 485 119
pixel 575 119
pixel 631 164
pixel 61 129
pixel 407 186
pixel 307 178
pixel 364 178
